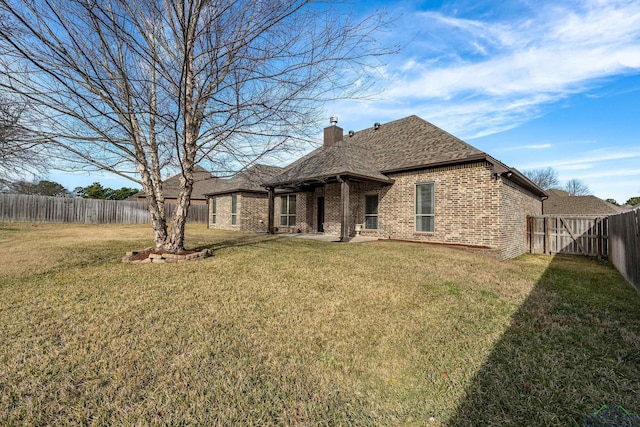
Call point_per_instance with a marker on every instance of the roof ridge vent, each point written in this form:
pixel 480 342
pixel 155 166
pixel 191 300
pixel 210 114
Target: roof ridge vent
pixel 351 133
pixel 376 125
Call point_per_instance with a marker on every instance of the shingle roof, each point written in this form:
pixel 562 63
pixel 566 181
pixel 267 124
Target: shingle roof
pixel 410 143
pixel 405 144
pixel 250 180
pixel 342 159
pixel 577 205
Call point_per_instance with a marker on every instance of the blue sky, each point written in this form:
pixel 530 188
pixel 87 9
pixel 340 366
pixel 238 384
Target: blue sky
pixel 534 84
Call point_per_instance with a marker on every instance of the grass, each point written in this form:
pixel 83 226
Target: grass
pixel 282 331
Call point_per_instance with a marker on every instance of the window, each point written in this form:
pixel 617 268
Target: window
pixel 213 209
pixel 234 209
pixel 371 212
pixel 425 208
pixel 288 210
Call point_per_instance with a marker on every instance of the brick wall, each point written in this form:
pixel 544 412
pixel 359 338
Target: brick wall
pixel 223 213
pixel 471 208
pixel 517 204
pixel 467 206
pixel 252 212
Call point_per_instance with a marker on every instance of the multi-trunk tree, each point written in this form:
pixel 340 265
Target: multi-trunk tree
pixel 138 86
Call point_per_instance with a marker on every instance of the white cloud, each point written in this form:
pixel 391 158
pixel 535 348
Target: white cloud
pixel 529 147
pixel 487 77
pixel 593 157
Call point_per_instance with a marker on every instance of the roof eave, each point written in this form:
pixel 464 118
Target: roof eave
pixel 323 178
pixel 516 176
pixel 235 190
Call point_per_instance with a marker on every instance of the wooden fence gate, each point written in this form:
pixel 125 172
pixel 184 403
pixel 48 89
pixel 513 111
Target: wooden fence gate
pixel 572 235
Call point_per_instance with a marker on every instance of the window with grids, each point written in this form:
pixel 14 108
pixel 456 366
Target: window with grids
pixel 371 212
pixel 213 209
pixel 288 210
pixel 425 208
pixel 234 209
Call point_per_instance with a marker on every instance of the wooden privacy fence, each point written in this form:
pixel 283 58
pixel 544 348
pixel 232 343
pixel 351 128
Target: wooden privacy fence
pixel 574 235
pixel 26 208
pixel 624 245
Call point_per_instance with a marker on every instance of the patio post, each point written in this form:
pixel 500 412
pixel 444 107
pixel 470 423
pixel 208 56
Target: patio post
pixel 344 209
pixel 270 227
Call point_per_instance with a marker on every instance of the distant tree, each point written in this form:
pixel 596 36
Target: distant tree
pixel 634 201
pixel 544 178
pixel 40 188
pixel 575 187
pixel 93 191
pixel 97 191
pixel 613 202
pixel 122 193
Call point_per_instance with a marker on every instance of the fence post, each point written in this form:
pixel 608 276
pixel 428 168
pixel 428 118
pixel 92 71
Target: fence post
pixel 547 236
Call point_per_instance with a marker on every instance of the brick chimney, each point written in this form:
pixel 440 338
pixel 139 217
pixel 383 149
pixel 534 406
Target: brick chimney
pixel 333 133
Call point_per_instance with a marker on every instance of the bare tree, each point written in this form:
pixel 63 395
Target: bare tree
pixel 575 187
pixel 544 178
pixel 20 150
pixel 136 86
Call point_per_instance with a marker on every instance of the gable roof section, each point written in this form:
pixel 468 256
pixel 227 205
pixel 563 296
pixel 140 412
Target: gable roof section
pixel 577 205
pixel 249 180
pixel 328 162
pixel 406 144
pixel 411 143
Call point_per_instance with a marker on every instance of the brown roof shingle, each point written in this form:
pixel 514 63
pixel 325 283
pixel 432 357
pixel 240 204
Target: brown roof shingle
pixel 408 143
pixel 577 205
pixel 249 180
pixel 341 159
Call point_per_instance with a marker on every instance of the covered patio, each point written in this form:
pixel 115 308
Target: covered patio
pixel 336 163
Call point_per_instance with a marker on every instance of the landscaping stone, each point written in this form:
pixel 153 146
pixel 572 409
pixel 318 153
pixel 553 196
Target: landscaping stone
pixel 148 255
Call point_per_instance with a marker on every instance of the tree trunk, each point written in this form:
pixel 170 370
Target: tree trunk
pixel 175 240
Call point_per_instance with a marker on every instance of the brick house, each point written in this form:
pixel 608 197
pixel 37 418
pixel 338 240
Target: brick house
pixel 241 202
pixel 406 180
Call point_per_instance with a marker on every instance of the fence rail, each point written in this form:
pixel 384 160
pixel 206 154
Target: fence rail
pixel 572 235
pixel 624 242
pixel 27 208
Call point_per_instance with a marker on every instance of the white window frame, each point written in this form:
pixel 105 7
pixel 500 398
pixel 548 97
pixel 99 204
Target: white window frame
pixel 376 215
pixel 286 216
pixel 433 206
pixel 234 209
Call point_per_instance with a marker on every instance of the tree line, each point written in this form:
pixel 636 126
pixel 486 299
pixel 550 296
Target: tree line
pixel 54 189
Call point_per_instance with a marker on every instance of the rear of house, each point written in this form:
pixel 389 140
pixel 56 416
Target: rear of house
pixel 406 180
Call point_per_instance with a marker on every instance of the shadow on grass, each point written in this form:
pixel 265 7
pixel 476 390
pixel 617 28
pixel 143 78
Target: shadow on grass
pixel 240 240
pixel 573 346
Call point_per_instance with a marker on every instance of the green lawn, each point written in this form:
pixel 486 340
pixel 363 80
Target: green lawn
pixel 283 331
